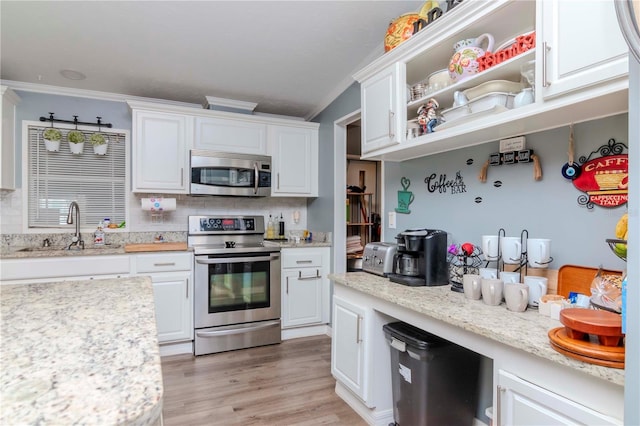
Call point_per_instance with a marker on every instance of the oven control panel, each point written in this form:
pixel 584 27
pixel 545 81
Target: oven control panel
pixel 224 224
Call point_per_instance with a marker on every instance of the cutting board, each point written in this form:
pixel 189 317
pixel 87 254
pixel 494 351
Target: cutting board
pixel 578 279
pixel 155 247
pixel 586 350
pixel 607 326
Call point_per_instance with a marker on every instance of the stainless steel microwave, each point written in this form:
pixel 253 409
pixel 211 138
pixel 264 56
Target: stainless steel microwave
pixel 223 173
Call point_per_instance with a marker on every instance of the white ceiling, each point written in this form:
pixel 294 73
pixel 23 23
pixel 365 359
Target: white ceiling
pixel 289 57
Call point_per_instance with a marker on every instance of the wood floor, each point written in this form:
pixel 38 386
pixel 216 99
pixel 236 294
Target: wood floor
pixel 285 384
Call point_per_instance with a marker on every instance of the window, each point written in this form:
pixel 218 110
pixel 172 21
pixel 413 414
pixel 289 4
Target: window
pixel 55 178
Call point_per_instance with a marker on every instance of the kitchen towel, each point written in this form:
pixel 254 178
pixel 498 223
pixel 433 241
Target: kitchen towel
pixel 158 204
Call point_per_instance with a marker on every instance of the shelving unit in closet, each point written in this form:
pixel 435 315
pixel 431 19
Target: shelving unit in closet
pixel 359 223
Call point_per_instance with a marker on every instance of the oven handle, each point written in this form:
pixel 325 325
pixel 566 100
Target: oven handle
pixel 238 329
pixel 210 261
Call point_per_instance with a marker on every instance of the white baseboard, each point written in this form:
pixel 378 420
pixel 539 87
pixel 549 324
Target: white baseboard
pixel 169 349
pixel 314 330
pixel 369 415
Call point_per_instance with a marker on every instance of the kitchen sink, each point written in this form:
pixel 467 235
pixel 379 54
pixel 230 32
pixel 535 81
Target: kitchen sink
pixel 53 249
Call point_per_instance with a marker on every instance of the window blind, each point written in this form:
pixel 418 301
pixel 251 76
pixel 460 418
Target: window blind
pixel 96 182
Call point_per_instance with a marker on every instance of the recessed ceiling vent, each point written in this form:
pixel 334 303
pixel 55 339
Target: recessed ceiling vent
pixel 229 105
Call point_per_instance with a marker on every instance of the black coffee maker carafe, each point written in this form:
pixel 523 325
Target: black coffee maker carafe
pixel 421 258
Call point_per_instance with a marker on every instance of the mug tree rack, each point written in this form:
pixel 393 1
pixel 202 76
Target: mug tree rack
pixel 524 259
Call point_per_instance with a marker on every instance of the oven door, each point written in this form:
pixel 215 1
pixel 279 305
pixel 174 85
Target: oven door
pixel 236 288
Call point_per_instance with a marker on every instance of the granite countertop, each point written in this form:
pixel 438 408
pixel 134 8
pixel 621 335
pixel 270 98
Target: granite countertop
pixel 526 331
pixel 80 352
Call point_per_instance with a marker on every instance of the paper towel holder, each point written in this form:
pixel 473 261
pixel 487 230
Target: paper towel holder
pixel 157 206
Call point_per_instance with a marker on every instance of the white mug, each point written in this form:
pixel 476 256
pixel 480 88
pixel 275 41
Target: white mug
pixel 472 286
pixel 511 250
pixel 517 296
pixel 537 288
pixel 539 252
pixel 510 277
pixel 492 291
pixel 490 247
pixel 488 272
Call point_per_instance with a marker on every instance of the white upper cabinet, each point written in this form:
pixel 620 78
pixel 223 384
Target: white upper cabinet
pixel 294 158
pixel 383 108
pixel 241 136
pixel 585 64
pixel 7 151
pixel 161 143
pixel 580 45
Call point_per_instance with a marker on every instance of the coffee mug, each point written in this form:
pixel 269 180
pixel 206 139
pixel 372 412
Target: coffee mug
pixel 511 250
pixel 488 272
pixel 510 277
pixel 537 288
pixel 492 291
pixel 472 286
pixel 490 247
pixel 539 252
pixel 517 296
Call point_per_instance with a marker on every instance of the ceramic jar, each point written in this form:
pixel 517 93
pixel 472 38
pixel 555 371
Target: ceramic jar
pixel 464 62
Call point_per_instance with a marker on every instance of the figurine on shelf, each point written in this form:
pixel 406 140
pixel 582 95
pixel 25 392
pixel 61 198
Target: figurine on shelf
pixel 427 116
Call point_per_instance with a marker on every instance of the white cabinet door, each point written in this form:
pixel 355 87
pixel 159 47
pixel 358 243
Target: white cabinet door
pixel 172 297
pixel 580 45
pixel 229 135
pixel 301 297
pixel 7 143
pixel 523 403
pixel 383 110
pixel 348 346
pixel 294 156
pixel 160 152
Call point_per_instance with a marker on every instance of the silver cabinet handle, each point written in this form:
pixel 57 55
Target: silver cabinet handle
pixel 545 50
pixel 187 288
pixel 165 264
pixel 278 177
pixel 287 292
pixel 181 176
pixel 498 406
pixel 358 340
pixel 301 278
pixel 391 132
pixel 304 261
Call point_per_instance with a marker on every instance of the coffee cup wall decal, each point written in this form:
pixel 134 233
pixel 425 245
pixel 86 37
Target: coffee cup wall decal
pixel 405 197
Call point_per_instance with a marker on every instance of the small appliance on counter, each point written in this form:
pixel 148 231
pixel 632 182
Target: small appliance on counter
pixel 378 258
pixel 421 258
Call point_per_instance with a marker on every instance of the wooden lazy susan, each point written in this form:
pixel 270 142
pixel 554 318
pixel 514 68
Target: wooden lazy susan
pixel 591 336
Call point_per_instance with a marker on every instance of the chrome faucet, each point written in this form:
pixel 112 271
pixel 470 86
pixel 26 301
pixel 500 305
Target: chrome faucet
pixel 77 238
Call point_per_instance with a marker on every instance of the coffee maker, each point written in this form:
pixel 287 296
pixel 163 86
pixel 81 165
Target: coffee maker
pixel 421 258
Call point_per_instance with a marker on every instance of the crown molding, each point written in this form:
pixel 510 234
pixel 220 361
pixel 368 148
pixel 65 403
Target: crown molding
pixel 90 94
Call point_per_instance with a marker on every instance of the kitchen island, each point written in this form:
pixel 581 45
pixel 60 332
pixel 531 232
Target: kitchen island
pixel 80 352
pixel 515 345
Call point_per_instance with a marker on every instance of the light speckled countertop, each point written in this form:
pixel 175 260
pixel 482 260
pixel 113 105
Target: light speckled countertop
pixel 526 331
pixel 80 352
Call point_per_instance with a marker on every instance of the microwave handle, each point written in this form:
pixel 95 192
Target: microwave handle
pixel 256 176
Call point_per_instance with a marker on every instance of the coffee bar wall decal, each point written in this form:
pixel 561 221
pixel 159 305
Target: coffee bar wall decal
pixel 604 179
pixel 441 184
pixel 405 197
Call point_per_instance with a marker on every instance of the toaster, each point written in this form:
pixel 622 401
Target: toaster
pixel 377 258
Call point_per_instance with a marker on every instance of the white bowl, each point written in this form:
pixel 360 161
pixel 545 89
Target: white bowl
pixel 492 86
pixel 441 78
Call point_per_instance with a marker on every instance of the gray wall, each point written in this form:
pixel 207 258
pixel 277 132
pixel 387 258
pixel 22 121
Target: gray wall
pixel 320 209
pixel 546 208
pixel 35 105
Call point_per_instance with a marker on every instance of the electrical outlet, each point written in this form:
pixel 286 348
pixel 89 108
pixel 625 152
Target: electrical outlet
pixel 392 220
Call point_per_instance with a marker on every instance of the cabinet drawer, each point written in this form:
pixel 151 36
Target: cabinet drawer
pixel 163 262
pixel 301 259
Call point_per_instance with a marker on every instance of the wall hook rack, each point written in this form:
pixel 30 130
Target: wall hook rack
pixel 75 121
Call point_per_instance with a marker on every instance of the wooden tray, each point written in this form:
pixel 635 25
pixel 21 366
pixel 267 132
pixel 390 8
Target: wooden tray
pixel 155 247
pixel 578 279
pixel 607 326
pixel 586 350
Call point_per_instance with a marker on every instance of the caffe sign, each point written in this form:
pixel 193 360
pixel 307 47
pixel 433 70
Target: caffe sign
pixel 604 180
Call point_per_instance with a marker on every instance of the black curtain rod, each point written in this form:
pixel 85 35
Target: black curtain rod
pixel 75 121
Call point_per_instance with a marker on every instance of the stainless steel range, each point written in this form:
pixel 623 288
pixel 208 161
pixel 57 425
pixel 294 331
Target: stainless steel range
pixel 237 284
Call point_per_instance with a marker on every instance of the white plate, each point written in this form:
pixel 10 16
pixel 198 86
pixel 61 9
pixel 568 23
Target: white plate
pixel 491 86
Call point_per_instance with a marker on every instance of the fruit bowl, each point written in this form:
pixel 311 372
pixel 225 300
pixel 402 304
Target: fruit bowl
pixel 618 247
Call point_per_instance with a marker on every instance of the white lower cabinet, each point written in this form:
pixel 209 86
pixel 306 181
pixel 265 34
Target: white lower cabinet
pixel 348 346
pixel 520 402
pixel 172 277
pixel 305 286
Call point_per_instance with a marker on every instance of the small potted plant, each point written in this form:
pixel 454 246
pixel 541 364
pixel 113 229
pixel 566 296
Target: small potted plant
pixel 76 141
pixel 99 143
pixel 52 138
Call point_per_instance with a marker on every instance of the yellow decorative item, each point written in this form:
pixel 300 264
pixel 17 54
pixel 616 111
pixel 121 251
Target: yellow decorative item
pixel 621 227
pixel 404 26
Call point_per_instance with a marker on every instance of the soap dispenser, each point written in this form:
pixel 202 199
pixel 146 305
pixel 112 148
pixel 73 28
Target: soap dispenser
pixel 281 227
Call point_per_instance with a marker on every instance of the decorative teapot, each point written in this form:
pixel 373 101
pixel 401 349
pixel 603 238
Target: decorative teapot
pixel 464 62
